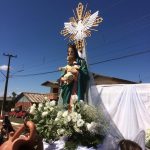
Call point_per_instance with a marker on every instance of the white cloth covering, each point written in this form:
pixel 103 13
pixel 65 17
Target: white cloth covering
pixel 129 108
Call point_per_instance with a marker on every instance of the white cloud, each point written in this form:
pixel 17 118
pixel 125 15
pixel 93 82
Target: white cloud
pixel 3 67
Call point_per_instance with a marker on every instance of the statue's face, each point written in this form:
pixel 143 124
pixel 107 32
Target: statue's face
pixel 71 52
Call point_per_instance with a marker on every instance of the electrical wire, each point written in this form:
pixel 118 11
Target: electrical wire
pixel 106 43
pixel 95 63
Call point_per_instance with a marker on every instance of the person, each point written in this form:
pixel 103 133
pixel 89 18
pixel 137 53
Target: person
pixel 78 86
pixel 70 70
pixel 129 145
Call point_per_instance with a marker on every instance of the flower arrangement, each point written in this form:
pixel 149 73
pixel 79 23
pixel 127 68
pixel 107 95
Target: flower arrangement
pixel 147 139
pixel 83 125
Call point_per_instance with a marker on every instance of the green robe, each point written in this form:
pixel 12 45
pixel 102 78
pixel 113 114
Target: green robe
pixel 81 83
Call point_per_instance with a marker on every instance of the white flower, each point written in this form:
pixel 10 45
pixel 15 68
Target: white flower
pixel 76 129
pixel 32 109
pixel 40 106
pixel 45 108
pixel 79 116
pixel 45 113
pixel 47 104
pixel 52 103
pixel 34 105
pixel 81 101
pixel 74 116
pixel 80 123
pixel 68 118
pixel 51 108
pixel 91 126
pixel 56 119
pixel 65 114
pixel 60 131
pixel 88 125
pixel 59 114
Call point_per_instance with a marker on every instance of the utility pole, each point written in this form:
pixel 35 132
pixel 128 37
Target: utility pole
pixel 6 83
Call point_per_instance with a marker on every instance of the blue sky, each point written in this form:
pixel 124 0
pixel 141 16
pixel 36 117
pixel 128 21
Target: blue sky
pixel 31 29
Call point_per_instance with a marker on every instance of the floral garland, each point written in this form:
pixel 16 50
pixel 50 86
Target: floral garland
pixel 84 125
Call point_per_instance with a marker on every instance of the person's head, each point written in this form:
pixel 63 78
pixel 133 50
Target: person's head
pixel 72 51
pixel 129 145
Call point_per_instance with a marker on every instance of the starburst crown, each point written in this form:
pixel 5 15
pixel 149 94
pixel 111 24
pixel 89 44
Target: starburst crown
pixel 79 27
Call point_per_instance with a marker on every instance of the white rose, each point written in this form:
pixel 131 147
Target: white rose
pixel 52 103
pixel 47 104
pixel 65 114
pixel 32 109
pixel 91 126
pixel 51 108
pixel 68 118
pixel 56 119
pixel 45 113
pixel 59 114
pixel 60 131
pixel 65 121
pixel 81 101
pixel 45 108
pixel 74 116
pixel 88 125
pixel 79 116
pixel 76 129
pixel 34 105
pixel 80 123
pixel 40 106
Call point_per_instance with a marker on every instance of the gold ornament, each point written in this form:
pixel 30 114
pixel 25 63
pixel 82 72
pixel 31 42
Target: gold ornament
pixel 79 27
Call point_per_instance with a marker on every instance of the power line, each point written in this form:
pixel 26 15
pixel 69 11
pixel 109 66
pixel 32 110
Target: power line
pixel 104 61
pixel 35 74
pixel 106 43
pixel 121 57
pixel 2 73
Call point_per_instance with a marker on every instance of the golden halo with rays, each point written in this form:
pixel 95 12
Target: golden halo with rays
pixel 80 26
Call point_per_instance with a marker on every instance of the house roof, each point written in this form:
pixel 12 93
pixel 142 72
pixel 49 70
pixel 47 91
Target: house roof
pixel 102 79
pixel 33 97
pixel 50 84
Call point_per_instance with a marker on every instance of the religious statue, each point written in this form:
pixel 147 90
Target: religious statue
pixel 77 73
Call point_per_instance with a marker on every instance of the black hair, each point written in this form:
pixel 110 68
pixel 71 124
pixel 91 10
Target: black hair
pixel 129 145
pixel 73 46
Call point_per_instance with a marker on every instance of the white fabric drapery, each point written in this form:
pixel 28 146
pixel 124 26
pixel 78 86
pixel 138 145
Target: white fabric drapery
pixel 129 108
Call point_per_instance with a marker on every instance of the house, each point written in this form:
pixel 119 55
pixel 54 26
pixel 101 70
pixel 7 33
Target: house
pixel 98 80
pixel 102 79
pixel 26 99
pixel 54 89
